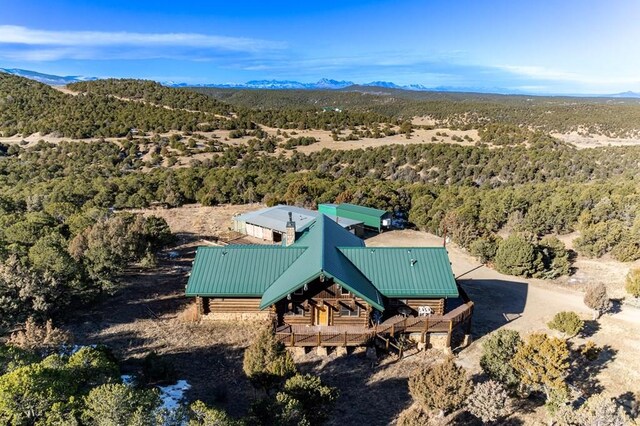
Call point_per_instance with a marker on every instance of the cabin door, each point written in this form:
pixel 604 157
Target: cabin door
pixel 322 315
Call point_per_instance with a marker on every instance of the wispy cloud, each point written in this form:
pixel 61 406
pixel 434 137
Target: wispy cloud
pixel 537 73
pixel 17 42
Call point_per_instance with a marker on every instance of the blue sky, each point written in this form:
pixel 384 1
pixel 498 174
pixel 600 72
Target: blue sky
pixel 543 46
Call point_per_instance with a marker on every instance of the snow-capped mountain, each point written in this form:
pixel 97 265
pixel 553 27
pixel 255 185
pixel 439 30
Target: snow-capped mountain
pixel 52 80
pixel 322 84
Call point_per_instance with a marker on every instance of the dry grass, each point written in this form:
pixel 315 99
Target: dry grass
pixel 189 314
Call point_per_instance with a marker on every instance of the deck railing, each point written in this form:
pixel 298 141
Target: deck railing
pixel 356 336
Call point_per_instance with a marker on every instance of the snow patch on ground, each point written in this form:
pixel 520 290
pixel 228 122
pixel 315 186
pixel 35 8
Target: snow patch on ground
pixel 173 395
pixel 127 379
pixel 70 350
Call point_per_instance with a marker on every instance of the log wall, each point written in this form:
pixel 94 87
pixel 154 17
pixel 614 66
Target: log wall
pixel 436 305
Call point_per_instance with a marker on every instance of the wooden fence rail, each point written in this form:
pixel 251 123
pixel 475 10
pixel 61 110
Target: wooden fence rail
pixel 357 336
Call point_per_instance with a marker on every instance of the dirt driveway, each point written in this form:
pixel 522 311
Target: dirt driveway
pixel 527 305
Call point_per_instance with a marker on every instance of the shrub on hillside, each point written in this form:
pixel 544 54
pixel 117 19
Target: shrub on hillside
pixel 598 410
pixel 555 258
pixel 120 404
pixel 627 250
pixel 484 248
pixel 156 369
pixel 518 256
pixel 568 323
pixel 497 352
pixel 542 363
pixel 414 416
pixel 202 415
pixel 314 397
pixel 442 387
pixel 266 362
pixel 632 284
pixel 489 401
pixel 41 339
pixel 596 298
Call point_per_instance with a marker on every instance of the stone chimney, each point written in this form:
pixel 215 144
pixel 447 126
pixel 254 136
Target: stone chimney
pixel 290 238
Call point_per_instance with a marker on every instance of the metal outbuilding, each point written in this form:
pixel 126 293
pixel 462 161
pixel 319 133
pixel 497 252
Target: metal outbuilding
pixel 270 223
pixel 370 217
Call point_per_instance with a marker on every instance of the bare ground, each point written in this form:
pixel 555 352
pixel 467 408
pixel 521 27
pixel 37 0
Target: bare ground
pixel 145 315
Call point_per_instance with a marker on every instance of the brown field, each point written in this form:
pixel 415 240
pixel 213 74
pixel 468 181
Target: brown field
pixel 147 314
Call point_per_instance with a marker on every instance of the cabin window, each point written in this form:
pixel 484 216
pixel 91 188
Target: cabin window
pixel 344 291
pixel 299 292
pixel 346 311
pixel 295 309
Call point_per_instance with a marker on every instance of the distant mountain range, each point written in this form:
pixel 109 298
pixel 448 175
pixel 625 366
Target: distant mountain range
pixel 52 80
pixel 322 84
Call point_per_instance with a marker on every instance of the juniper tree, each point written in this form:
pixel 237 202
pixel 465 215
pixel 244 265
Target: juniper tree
pixel 443 387
pixel 632 284
pixel 266 361
pixel 568 323
pixel 542 363
pixel 497 352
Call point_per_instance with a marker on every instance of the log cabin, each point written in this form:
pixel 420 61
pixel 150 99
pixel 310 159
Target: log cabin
pixel 324 287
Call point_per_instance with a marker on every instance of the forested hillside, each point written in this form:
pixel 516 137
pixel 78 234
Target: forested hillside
pixel 53 196
pixel 28 107
pixel 611 117
pixel 66 237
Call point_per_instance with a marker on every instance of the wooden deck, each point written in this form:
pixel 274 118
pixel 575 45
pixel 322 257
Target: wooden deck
pixel 337 335
pixel 302 335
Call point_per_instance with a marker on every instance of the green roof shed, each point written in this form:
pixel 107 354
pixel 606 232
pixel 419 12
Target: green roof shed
pixel 369 216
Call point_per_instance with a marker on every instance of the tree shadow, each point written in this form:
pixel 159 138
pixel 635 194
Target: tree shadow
pixel 497 302
pixel 583 372
pixel 630 403
pixel 464 418
pixel 591 327
pixel 616 306
pixel 370 393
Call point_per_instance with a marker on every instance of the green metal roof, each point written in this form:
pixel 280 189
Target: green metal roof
pixel 324 248
pixel 406 272
pixel 242 270
pixel 369 216
pixel 322 256
pixel 369 211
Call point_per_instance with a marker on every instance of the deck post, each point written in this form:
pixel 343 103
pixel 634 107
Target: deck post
pixel 345 338
pixel 393 329
pixel 467 333
pixel 448 345
pixel 387 344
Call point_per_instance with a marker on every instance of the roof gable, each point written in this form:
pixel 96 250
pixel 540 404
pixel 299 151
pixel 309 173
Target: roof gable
pixel 405 272
pixel 322 256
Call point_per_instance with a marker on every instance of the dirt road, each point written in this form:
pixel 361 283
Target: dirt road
pixel 527 305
